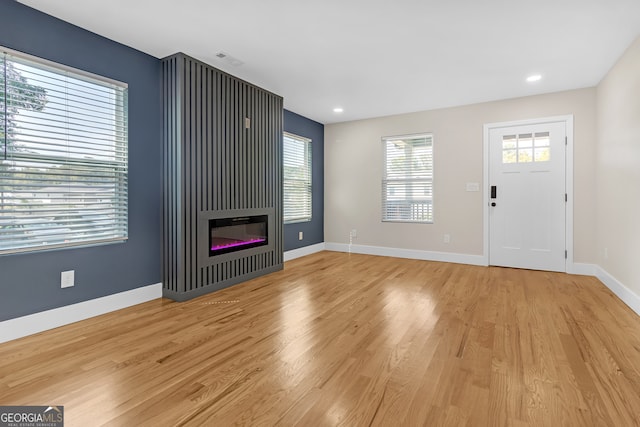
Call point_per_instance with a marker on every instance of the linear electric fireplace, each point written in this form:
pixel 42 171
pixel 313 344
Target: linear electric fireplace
pixel 236 234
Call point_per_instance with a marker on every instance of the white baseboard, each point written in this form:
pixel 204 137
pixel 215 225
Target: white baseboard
pixel 407 253
pixel 300 252
pixel 625 294
pixel 34 323
pixel 583 269
pixel 50 319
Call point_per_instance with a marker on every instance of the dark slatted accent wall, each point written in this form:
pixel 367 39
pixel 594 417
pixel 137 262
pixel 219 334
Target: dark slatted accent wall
pixel 212 162
pixel 173 238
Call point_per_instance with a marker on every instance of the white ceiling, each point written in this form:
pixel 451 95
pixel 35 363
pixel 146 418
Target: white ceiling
pixel 376 57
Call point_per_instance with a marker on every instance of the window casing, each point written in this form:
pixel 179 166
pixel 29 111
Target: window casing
pixel 297 178
pixel 63 156
pixel 407 184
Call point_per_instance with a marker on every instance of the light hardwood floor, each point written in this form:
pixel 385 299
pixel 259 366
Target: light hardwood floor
pixel 354 340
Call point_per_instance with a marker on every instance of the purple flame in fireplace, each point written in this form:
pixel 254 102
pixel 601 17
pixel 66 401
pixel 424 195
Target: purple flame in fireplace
pixel 228 235
pixel 220 243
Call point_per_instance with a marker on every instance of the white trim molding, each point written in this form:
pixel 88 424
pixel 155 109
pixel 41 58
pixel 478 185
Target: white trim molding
pixel 568 121
pixel 407 253
pixel 625 294
pixel 617 287
pixel 34 323
pixel 304 251
pixel 582 269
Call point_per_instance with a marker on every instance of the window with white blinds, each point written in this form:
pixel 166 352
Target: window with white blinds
pixel 407 185
pixel 297 178
pixel 63 156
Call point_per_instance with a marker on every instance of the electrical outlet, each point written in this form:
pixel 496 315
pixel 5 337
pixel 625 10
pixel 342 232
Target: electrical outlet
pixel 354 233
pixel 447 238
pixel 300 235
pixel 67 279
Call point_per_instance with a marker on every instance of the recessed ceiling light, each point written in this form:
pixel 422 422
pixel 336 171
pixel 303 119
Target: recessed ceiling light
pixel 338 110
pixel 534 78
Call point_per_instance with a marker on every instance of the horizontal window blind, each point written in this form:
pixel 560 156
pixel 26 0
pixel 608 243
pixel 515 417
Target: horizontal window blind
pixel 297 178
pixel 407 185
pixel 63 156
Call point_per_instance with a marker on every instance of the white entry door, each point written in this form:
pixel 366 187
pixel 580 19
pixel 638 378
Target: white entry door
pixel 527 204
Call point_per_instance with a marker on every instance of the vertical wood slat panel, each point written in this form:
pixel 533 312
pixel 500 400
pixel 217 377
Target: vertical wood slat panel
pixel 229 136
pixel 218 147
pixel 185 198
pixel 201 159
pixel 248 138
pixel 193 170
pixel 256 150
pixel 225 154
pixel 188 119
pixel 277 109
pixel 200 181
pixel 169 240
pixel 240 143
pixel 207 168
pixel 264 182
pixel 220 137
pixel 240 190
pixel 177 164
pixel 174 176
pixel 247 145
pixel 214 163
pixel 166 243
pixel 211 115
pixel 234 146
pixel 270 128
pixel 166 181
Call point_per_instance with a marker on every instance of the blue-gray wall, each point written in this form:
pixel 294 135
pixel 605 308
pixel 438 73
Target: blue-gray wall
pixel 313 231
pixel 30 283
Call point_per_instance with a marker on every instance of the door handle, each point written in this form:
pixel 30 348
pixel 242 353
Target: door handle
pixel 494 192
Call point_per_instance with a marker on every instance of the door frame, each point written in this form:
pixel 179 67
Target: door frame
pixel 568 121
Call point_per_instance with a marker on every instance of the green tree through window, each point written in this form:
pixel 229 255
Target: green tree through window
pixel 16 94
pixel 63 156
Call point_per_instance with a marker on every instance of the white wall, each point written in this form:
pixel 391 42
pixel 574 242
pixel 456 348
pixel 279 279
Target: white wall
pixel 353 171
pixel 618 170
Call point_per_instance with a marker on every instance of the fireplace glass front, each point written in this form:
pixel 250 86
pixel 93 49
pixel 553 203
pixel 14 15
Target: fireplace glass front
pixel 236 234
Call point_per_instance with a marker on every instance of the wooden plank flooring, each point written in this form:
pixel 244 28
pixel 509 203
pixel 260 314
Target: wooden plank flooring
pixel 353 340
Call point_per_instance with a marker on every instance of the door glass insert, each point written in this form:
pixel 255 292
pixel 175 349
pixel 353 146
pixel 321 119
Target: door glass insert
pixel 542 149
pixel 526 148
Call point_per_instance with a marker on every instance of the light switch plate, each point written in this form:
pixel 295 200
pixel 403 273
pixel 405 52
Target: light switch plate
pixel 473 186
